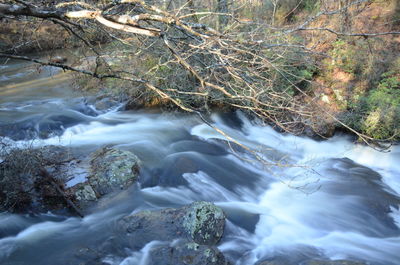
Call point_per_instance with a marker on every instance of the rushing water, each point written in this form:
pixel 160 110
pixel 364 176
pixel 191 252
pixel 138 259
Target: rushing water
pixel 331 199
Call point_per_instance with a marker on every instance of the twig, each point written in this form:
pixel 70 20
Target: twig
pixel 47 177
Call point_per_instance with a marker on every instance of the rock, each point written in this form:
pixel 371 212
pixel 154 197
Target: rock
pixel 101 63
pixel 333 262
pixel 113 169
pixel 286 261
pixel 320 128
pixel 276 261
pixel 186 253
pixel 84 194
pixel 21 130
pixel 110 169
pixel 23 187
pixel 58 59
pixel 105 103
pixel 204 222
pixel 201 222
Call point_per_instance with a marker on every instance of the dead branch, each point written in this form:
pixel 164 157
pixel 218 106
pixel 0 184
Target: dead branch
pixel 252 68
pixel 48 178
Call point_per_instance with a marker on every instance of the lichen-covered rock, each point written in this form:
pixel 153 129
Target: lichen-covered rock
pixel 186 253
pixel 85 193
pixel 201 222
pixel 204 222
pixel 113 169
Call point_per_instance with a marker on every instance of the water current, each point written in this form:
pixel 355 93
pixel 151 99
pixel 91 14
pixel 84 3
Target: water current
pixel 331 199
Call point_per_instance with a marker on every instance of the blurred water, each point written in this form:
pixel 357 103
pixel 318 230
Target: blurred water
pixel 332 199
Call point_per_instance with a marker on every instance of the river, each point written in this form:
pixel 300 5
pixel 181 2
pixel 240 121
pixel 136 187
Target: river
pixel 328 199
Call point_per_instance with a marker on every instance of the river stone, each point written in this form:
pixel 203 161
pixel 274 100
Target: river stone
pixel 204 222
pixel 113 169
pixel 276 261
pixel 186 253
pixel 85 193
pixel 201 222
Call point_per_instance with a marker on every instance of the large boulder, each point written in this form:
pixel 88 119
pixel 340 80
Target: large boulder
pixel 109 169
pixel 201 222
pixel 113 169
pixel 186 253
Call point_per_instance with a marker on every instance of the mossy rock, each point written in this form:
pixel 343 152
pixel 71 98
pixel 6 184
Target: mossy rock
pixel 200 222
pixel 113 169
pixel 204 222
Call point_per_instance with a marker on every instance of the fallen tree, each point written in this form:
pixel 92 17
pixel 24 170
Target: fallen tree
pixel 247 65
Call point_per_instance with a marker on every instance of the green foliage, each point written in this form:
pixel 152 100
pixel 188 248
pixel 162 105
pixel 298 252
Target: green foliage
pixel 377 114
pixel 383 103
pixel 311 5
pixel 344 57
pixel 387 94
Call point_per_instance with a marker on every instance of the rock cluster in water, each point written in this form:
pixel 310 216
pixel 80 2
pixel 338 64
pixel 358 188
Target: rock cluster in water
pixel 200 222
pixel 110 170
pixel 36 180
pixel 192 232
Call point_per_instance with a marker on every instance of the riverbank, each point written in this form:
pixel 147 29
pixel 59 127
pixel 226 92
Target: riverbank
pixel 345 83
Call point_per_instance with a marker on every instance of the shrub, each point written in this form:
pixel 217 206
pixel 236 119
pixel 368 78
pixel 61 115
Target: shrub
pixel 383 103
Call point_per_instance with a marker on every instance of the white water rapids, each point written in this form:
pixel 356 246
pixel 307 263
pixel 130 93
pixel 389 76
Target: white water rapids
pixel 332 199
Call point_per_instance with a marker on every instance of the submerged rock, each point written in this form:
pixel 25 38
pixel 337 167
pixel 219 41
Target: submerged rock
pixel 333 262
pixel 286 261
pixel 276 261
pixel 113 169
pixel 201 222
pixel 160 238
pixel 186 253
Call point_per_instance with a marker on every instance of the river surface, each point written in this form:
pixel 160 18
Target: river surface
pixel 306 199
